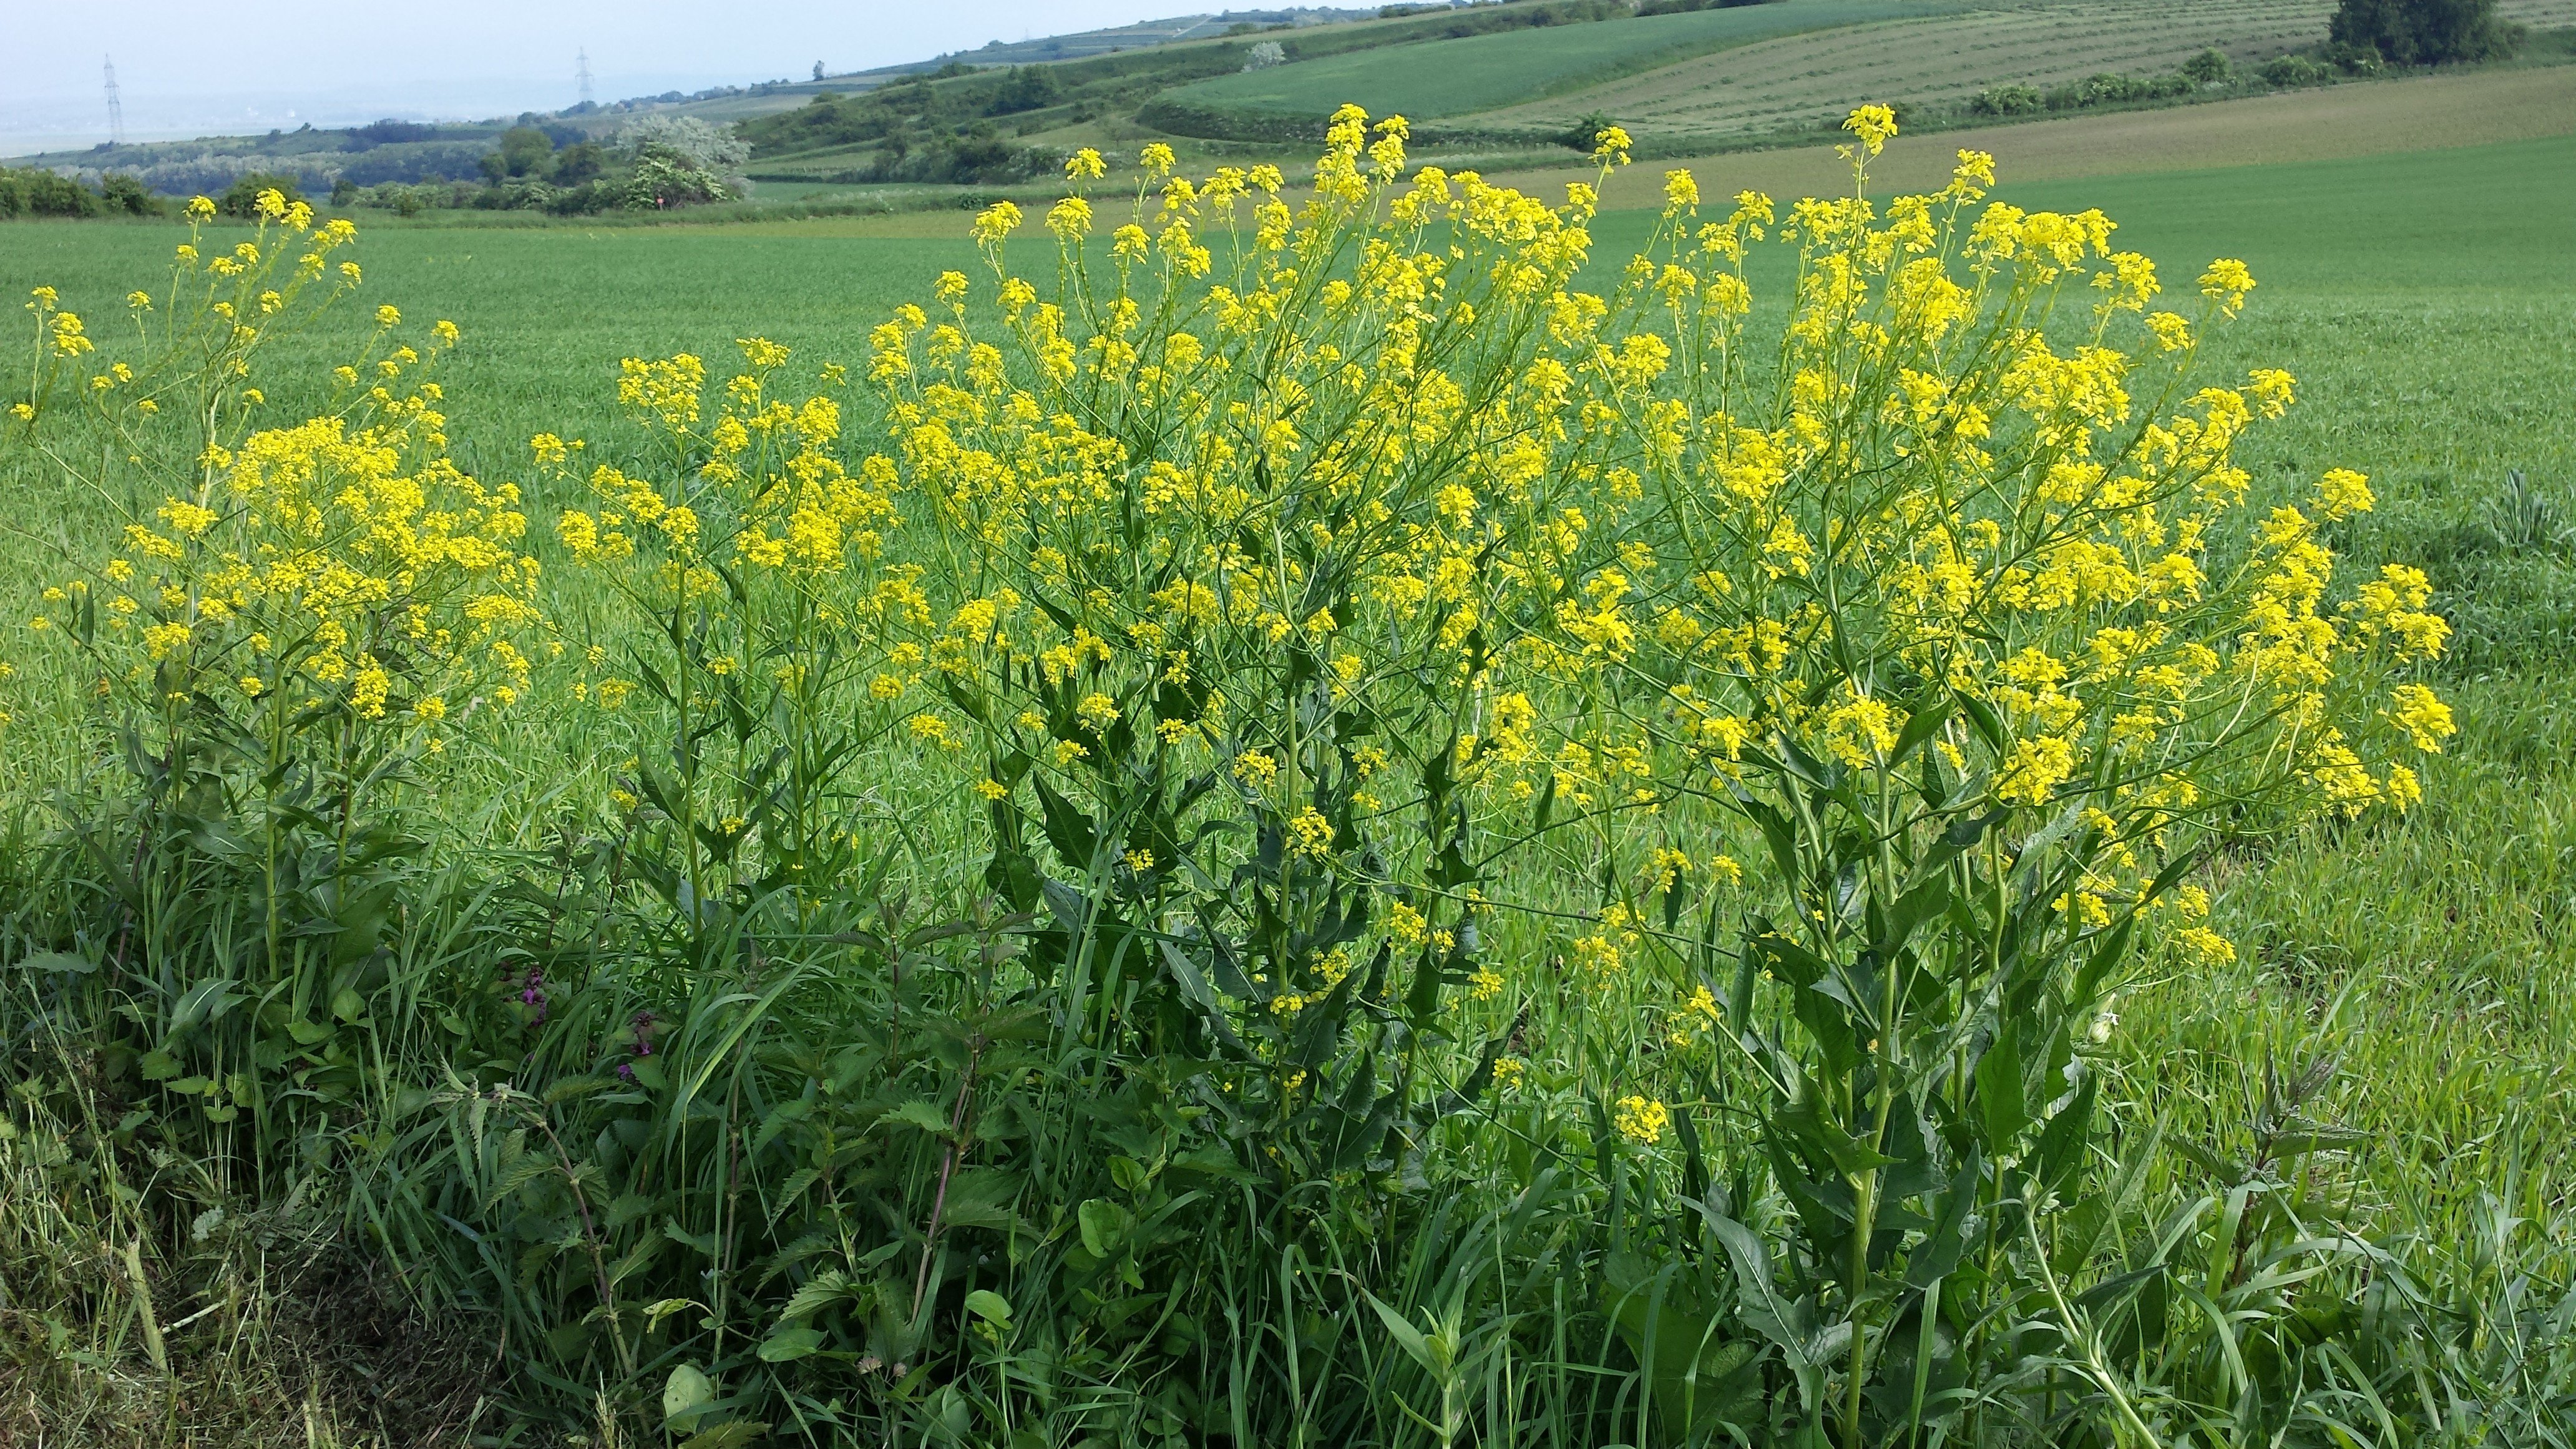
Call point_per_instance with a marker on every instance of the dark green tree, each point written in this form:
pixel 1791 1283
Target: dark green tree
pixel 523 151
pixel 579 162
pixel 2424 32
pixel 242 197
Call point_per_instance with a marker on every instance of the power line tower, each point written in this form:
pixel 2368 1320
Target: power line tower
pixel 115 107
pixel 585 76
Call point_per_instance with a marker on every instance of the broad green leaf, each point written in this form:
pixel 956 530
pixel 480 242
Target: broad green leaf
pixel 790 1344
pixel 685 1395
pixel 1105 1226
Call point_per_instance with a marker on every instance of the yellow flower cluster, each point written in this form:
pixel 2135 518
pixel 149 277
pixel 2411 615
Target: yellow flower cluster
pixel 341 568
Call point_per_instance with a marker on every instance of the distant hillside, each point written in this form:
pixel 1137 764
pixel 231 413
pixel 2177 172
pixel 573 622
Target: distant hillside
pixel 1504 84
pixel 1083 44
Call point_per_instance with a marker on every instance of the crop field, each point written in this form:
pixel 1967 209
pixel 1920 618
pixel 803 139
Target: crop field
pixel 1792 83
pixel 2338 123
pixel 821 882
pixel 1479 73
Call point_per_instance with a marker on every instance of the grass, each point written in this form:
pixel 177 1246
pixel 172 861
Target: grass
pixel 2432 332
pixel 1479 73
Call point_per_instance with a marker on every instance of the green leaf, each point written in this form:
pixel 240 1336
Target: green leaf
pixel 1758 1299
pixel 1999 1094
pixel 685 1395
pixel 347 1005
pixel 205 1001
pixel 308 1033
pixel 63 961
pixel 159 1066
pixel 1105 1226
pixel 918 1113
pixel 823 1289
pixel 989 1306
pixel 1410 1339
pixel 790 1344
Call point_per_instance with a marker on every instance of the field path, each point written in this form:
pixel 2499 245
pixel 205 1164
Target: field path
pixel 2332 123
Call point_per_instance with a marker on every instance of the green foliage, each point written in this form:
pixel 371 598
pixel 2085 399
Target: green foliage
pixel 2424 32
pixel 2208 68
pixel 42 193
pixel 2008 101
pixel 523 151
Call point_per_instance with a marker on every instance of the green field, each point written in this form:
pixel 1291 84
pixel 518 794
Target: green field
pixel 1480 73
pixel 2433 333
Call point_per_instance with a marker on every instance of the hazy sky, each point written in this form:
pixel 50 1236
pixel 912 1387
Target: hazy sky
pixel 189 67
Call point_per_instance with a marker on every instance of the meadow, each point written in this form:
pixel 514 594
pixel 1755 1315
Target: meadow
pixel 2425 956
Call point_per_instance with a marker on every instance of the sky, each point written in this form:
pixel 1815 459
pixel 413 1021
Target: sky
pixel 187 69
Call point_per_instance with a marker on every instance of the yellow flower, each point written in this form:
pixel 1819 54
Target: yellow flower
pixel 2423 716
pixel 1256 768
pixel 2209 946
pixel 995 223
pixel 388 316
pixel 1610 146
pixel 161 639
pixel 1310 834
pixel 1084 165
pixel 1874 125
pixel 2343 492
pixel 2226 283
pixel 1641 1120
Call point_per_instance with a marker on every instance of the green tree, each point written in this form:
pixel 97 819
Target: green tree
pixel 523 151
pixel 242 197
pixel 2424 32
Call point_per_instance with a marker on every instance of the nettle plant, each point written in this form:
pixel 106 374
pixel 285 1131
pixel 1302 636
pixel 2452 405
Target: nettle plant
pixel 291 622
pixel 1949 591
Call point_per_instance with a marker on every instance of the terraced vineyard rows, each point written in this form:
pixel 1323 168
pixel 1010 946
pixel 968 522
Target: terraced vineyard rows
pixel 1797 82
pixel 1456 77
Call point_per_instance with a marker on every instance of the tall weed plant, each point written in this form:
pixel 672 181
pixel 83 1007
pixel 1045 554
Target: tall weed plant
pixel 1332 839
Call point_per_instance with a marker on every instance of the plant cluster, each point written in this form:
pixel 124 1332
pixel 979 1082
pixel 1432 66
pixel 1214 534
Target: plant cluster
pixel 44 193
pixel 1306 829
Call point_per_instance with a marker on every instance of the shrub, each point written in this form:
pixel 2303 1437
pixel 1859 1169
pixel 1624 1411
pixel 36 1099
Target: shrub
pixel 1584 135
pixel 42 193
pixel 242 198
pixel 2424 32
pixel 2207 68
pixel 2290 71
pixel 1317 825
pixel 2008 100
